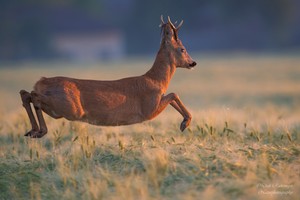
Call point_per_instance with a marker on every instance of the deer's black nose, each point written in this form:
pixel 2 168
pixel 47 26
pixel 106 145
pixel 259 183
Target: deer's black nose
pixel 193 64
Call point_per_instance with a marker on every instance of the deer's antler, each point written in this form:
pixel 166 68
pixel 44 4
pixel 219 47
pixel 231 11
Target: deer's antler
pixel 175 29
pixel 162 21
pixel 172 25
pixel 178 27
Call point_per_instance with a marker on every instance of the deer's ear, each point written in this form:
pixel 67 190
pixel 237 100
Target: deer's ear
pixel 168 33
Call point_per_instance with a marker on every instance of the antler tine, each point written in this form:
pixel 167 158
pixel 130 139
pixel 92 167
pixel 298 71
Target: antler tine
pixel 180 24
pixel 169 20
pixel 162 20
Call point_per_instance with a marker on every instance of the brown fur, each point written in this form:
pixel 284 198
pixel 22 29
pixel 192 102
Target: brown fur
pixel 111 103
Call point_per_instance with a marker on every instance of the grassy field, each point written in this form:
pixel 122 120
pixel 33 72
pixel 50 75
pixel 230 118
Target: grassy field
pixel 243 142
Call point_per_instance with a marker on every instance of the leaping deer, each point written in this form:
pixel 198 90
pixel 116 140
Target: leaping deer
pixel 112 103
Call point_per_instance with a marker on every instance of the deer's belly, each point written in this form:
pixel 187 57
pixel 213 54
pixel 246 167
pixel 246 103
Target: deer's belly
pixel 116 118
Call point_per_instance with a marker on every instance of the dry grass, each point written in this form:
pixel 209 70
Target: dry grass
pixel 243 142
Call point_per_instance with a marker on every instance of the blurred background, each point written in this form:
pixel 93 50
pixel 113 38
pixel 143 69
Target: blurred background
pixel 247 51
pixel 104 30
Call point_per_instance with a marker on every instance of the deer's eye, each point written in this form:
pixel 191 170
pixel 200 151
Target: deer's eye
pixel 182 50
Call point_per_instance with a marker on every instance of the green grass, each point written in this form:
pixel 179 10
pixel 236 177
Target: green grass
pixel 243 142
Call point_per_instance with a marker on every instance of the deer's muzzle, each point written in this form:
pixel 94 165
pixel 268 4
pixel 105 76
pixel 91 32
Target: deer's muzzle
pixel 192 65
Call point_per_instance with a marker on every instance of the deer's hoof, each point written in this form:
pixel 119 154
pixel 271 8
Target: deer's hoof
pixel 40 134
pixel 185 123
pixel 31 133
pixel 36 134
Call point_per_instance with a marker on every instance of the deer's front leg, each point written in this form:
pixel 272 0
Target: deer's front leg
pixel 174 101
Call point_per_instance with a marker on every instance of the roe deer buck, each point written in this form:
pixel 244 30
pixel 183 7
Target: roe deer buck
pixel 112 103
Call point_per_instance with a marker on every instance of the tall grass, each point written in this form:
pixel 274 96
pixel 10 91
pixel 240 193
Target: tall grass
pixel 243 142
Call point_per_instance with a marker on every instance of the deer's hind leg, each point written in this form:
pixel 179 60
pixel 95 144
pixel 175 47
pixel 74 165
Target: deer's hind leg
pixel 33 97
pixel 26 100
pixel 37 104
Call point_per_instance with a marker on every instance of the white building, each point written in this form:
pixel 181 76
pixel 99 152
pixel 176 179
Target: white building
pixel 90 46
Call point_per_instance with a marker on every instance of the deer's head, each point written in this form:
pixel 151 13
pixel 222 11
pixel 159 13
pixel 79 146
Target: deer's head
pixel 176 51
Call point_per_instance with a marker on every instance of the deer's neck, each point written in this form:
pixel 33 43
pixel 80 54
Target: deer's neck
pixel 162 70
